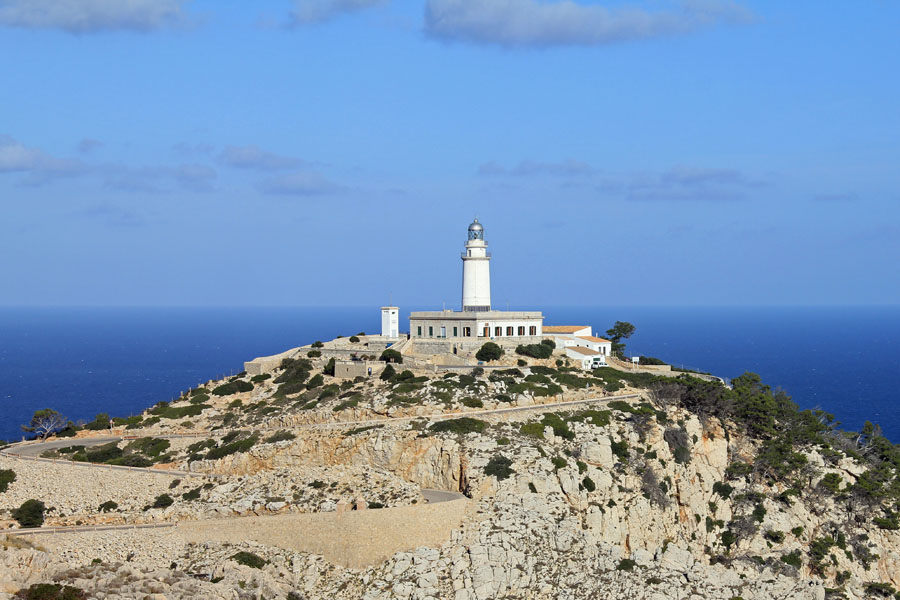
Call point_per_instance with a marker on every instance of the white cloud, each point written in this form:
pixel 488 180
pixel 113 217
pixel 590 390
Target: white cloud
pixel 563 23
pixel 319 11
pixel 252 157
pixel 15 156
pixel 91 16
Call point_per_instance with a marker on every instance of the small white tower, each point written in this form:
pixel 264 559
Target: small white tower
pixel 476 287
pixel 390 321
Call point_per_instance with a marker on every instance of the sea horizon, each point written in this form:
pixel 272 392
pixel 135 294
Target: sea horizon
pixel 120 360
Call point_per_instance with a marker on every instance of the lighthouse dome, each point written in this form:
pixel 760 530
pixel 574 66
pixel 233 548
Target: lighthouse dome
pixel 476 230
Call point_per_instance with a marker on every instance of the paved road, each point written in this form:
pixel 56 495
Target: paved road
pixel 37 449
pixel 435 496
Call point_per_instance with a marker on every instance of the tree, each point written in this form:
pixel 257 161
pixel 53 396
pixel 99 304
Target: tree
pixel 620 331
pixel 45 422
pixel 329 367
pixel 391 355
pixel 489 351
pixel 387 373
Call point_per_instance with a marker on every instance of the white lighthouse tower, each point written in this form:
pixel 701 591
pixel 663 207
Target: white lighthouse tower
pixel 476 286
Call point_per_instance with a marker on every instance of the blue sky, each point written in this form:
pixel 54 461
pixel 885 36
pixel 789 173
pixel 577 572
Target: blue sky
pixel 704 152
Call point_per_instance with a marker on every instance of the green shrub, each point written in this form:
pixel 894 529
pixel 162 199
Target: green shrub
pixel 890 523
pixel 521 362
pixel 50 591
pixel 193 494
pixel 280 436
pixel 504 441
pixel 560 427
pixel 260 378
pixel 797 531
pixel 793 559
pixel 588 484
pixel 531 488
pixel 391 356
pixel 100 454
pixel 232 448
pixel 626 564
pixel 329 367
pixel 30 513
pixel 472 403
pixel 131 460
pixel 108 506
pixel 831 482
pixel 499 466
pixel 535 430
pixel 728 539
pixel 462 425
pixel 164 411
pixel 558 462
pixel 314 354
pixel 877 588
pixel 599 418
pixel 722 489
pixel 162 501
pixel 682 455
pixel 540 351
pixel 774 536
pixel 7 476
pixel 354 339
pixel 488 352
pixel 315 382
pixel 387 373
pixel 620 450
pixel 249 559
pixel 148 446
pixel 100 422
pixel 232 387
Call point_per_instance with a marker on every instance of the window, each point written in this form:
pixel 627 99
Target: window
pixel 487 331
pixel 521 330
pixel 443 332
pixel 498 331
pixel 455 334
pixel 419 331
pixel 431 332
pixel 467 332
pixel 532 330
pixel 509 330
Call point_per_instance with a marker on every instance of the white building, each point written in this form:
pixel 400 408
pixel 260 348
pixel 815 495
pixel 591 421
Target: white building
pixel 476 321
pixel 390 321
pixel 585 358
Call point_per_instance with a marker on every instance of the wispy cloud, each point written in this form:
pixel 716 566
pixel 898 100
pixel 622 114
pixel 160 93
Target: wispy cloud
pixel 299 183
pixel 683 183
pixel 252 157
pixel 566 168
pixel 92 16
pixel 40 168
pixel 88 145
pixel 568 23
pixel 307 12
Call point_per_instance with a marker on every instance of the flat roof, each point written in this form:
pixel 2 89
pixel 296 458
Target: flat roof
pixel 564 328
pixel 488 315
pixel 580 350
pixel 592 338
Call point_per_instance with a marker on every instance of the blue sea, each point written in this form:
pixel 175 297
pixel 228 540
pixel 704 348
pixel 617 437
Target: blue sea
pixel 84 361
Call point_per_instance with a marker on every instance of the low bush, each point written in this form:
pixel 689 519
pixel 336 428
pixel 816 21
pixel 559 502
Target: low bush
pixel 280 436
pixel 354 339
pixel 232 448
pixel 879 589
pixel 499 466
pixel 50 591
pixel 462 426
pixel 535 430
pixel 626 564
pixel 314 354
pixel 472 403
pixel 559 462
pixel 148 446
pixel 233 387
pixel 539 351
pixel 7 476
pixel 793 559
pixel 191 495
pixel 521 362
pixel 260 378
pixel 131 460
pixel 162 501
pixel 318 344
pixel 488 352
pixel 774 536
pixel 30 513
pixel 588 484
pixel 315 382
pixel 620 450
pixel 100 422
pixel 722 489
pixel 108 506
pixel 249 559
pixel 831 482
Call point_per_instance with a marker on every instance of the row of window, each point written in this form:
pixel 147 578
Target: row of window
pixel 511 331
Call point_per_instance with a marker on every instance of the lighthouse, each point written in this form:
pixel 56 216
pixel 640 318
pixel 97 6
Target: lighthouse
pixel 476 283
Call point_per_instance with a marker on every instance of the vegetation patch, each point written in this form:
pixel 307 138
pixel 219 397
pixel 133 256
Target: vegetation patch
pixel 232 448
pixel 280 436
pixel 233 387
pixel 7 476
pixel 462 425
pixel 30 513
pixel 50 591
pixel 249 559
pixel 499 466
